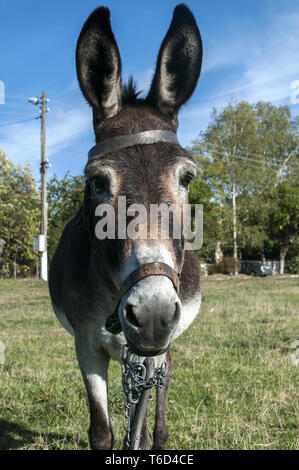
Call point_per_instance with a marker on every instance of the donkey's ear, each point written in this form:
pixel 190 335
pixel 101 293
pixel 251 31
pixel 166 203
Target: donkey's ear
pixel 98 65
pixel 179 63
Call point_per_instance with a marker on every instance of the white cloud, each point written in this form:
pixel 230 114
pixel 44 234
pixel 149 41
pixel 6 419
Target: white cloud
pixel 263 65
pixel 259 66
pixel 269 73
pixel 21 142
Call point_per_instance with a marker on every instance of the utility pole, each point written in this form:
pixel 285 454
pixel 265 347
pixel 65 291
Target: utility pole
pixel 43 169
pixel 42 240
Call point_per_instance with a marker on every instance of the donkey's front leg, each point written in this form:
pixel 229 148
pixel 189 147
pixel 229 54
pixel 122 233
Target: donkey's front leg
pixel 160 429
pixel 94 367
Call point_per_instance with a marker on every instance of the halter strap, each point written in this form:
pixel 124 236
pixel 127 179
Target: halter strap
pixel 156 268
pixel 124 141
pixel 113 324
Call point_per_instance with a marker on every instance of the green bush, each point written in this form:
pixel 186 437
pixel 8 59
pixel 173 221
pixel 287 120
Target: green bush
pixel 230 264
pixel 293 265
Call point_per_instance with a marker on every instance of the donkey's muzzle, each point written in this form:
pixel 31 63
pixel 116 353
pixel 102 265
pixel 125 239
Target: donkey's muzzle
pixel 113 323
pixel 149 315
pixel 150 324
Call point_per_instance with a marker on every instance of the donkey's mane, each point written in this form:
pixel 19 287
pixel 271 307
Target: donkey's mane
pixel 130 93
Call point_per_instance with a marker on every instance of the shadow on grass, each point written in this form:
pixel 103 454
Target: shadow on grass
pixel 14 436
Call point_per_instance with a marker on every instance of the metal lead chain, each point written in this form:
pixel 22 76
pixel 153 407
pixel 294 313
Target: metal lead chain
pixel 134 383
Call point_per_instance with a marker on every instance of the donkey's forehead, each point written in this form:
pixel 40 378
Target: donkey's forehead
pixel 150 158
pixel 133 119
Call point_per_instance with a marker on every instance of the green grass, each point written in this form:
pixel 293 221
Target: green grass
pixel 234 385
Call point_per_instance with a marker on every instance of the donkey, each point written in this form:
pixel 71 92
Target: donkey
pixel 131 281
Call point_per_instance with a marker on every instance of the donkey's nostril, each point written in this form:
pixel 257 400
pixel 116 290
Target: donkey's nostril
pixel 131 316
pixel 171 314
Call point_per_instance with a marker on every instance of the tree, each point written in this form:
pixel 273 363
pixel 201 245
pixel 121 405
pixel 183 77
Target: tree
pixel 65 197
pixel 228 139
pixel 277 141
pixel 284 227
pixel 201 193
pixel 19 217
pixel 245 152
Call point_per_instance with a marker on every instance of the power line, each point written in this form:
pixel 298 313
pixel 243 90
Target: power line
pixel 251 166
pixel 241 161
pixel 18 122
pixel 48 146
pixel 218 146
pixel 243 157
pixel 239 157
pixel 65 150
pixel 13 112
pixel 16 95
pixel 14 105
pixel 61 103
pixel 21 97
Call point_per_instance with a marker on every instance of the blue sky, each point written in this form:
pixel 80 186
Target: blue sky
pixel 251 52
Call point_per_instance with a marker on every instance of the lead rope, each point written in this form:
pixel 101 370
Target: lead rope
pixel 138 378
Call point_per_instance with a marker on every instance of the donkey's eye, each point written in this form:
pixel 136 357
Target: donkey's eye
pixel 100 184
pixel 186 179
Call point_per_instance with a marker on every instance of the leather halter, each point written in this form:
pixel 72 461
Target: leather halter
pixel 140 138
pixel 113 324
pixel 156 268
pixel 150 269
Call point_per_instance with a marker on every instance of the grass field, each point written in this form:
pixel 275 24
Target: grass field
pixel 234 384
